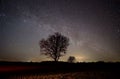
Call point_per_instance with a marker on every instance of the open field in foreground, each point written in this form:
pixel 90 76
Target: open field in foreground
pixel 73 75
pixel 59 70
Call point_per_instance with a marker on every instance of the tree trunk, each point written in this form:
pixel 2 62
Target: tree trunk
pixel 55 59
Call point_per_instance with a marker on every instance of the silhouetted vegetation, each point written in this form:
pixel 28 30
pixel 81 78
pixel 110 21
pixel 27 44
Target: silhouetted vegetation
pixel 71 59
pixel 54 46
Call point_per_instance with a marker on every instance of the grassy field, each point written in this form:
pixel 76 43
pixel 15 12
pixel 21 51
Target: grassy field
pixel 73 75
pixel 59 70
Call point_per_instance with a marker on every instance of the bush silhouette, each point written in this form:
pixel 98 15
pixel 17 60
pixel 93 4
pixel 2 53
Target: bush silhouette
pixel 71 59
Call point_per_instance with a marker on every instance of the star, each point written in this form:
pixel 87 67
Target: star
pixel 24 20
pixel 2 15
pixel 88 25
pixel 118 30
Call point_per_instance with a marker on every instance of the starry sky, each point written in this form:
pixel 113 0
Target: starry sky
pixel 93 27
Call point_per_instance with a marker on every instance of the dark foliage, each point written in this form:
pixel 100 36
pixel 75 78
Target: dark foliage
pixel 54 46
pixel 71 59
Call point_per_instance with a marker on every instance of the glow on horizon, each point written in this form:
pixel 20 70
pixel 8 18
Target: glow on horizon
pixel 93 28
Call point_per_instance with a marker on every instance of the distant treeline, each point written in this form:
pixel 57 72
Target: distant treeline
pixel 50 62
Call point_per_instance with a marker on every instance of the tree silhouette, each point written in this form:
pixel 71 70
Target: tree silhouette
pixel 71 59
pixel 54 46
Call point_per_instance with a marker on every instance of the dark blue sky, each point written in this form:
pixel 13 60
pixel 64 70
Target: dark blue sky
pixel 93 27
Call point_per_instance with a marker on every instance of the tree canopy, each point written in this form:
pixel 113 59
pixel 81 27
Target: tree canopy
pixel 54 46
pixel 71 59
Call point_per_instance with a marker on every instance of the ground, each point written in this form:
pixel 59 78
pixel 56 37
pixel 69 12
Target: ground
pixel 59 70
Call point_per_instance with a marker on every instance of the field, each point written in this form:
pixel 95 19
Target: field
pixel 60 71
pixel 73 75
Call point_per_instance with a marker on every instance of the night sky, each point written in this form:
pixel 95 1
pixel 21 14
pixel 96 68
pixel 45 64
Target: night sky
pixel 93 27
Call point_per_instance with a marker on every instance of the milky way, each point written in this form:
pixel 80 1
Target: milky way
pixel 93 28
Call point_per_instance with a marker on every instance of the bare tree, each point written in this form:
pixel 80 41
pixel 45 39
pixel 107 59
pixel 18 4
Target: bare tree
pixel 71 59
pixel 54 46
